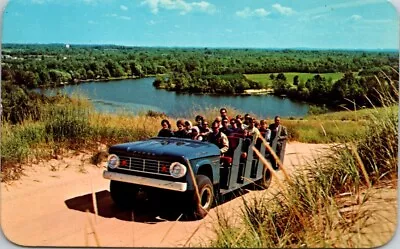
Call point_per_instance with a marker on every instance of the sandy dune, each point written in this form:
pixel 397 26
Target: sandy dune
pixel 48 207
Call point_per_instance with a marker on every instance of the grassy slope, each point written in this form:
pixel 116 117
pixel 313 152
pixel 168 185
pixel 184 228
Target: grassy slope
pixel 79 127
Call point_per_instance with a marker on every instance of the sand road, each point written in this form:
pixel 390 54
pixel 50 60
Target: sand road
pixel 48 207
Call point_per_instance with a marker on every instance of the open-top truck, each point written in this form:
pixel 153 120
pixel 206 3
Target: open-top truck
pixel 173 164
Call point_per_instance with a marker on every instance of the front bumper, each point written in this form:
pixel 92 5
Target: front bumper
pixel 145 181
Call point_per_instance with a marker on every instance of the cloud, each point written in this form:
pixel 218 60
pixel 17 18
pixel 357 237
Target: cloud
pixel 355 17
pixel 92 22
pixel 283 10
pixel 204 6
pixel 123 7
pixel 247 12
pixel 180 5
pixel 261 12
pixel 119 17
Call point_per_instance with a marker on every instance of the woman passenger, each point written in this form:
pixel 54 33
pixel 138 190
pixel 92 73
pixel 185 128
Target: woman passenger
pixel 199 121
pixel 166 129
pixel 181 132
pixel 188 128
pixel 195 134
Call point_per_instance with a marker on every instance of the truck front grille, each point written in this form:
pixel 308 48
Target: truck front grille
pixel 144 165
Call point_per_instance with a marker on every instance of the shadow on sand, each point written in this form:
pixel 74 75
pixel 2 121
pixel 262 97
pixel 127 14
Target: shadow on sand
pixel 163 208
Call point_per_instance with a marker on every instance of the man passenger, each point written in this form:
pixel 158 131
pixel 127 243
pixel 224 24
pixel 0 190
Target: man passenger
pixel 225 127
pixel 278 140
pixel 224 113
pixel 218 138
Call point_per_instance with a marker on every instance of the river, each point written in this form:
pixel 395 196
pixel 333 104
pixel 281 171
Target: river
pixel 139 95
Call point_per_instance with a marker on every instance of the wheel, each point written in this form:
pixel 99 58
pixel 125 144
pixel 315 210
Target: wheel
pixel 265 181
pixel 123 194
pixel 206 194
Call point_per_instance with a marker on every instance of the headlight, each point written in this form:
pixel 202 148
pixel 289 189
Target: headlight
pixel 177 170
pixel 113 161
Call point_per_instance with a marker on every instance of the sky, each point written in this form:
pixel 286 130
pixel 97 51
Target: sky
pixel 325 24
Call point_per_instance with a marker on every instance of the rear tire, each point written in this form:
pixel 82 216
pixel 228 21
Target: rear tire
pixel 123 194
pixel 265 181
pixel 206 194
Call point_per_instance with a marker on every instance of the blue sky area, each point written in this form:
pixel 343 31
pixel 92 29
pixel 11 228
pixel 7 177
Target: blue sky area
pixel 333 24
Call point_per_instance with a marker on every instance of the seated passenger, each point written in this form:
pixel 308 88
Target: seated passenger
pixel 240 126
pixel 188 128
pixel 246 120
pixel 199 121
pixel 219 121
pixel 204 129
pixel 195 134
pixel 252 131
pixel 166 129
pixel 224 113
pixel 181 132
pixel 239 122
pixel 233 126
pixel 265 130
pixel 218 138
pixel 225 127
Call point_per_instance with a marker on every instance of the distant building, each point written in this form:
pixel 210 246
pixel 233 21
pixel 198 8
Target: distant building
pixel 67 45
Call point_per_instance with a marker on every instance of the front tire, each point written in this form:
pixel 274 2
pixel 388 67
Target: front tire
pixel 123 194
pixel 206 195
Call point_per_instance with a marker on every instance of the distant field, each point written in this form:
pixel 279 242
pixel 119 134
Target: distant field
pixel 303 77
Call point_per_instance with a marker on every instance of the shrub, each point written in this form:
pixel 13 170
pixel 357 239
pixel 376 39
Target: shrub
pixel 66 122
pixel 317 110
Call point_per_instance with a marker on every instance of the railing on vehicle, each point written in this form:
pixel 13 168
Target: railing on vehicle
pixel 240 163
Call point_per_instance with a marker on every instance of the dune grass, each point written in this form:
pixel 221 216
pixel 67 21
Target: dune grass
pixel 76 125
pixel 73 124
pixel 330 202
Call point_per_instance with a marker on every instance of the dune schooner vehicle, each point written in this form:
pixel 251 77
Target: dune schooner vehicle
pixel 173 164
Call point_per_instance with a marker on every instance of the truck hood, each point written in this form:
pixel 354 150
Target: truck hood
pixel 174 147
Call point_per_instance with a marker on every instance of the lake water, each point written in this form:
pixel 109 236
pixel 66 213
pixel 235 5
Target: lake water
pixel 139 95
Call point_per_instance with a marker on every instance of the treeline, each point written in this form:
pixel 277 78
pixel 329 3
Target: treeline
pixel 197 70
pixel 52 65
pixel 218 84
pixel 362 89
